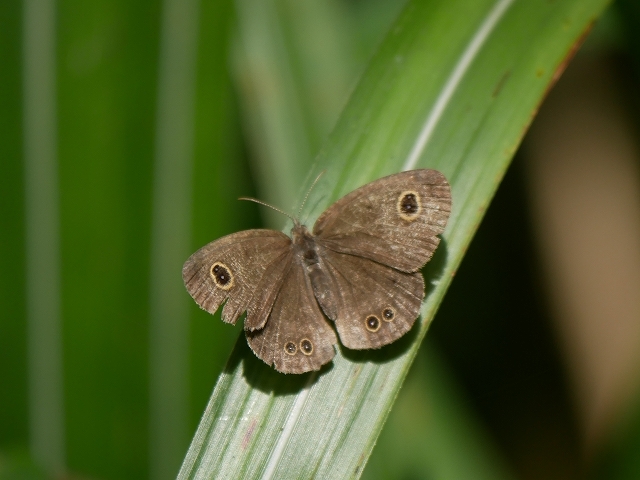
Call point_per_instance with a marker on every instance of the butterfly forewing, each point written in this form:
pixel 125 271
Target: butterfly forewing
pixel 232 267
pixel 394 220
pixel 296 337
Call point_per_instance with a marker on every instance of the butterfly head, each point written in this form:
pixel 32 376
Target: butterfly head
pixel 300 233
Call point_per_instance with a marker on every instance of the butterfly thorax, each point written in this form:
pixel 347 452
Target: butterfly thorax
pixel 304 243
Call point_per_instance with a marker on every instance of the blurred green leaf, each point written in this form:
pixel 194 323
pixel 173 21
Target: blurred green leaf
pixel 17 465
pixel 13 326
pixel 106 60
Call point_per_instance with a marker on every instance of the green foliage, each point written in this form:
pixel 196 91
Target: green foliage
pixel 281 90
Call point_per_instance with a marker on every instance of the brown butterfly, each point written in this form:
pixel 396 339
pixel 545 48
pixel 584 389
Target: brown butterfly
pixel 360 266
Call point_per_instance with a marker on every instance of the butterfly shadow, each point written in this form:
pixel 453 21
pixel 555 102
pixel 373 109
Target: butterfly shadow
pixel 265 378
pixel 432 274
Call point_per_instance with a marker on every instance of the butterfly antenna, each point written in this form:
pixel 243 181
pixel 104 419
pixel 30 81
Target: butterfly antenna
pixel 255 200
pixel 309 191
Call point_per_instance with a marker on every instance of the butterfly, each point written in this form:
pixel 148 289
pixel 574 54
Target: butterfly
pixel 358 267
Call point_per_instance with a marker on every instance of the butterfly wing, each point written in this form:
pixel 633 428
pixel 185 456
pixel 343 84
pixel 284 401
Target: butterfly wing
pixel 394 220
pixel 245 269
pixel 372 304
pixel 296 337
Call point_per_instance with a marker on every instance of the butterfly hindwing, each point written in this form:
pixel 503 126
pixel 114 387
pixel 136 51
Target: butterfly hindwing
pixel 234 268
pixel 394 220
pixel 371 304
pixel 296 337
